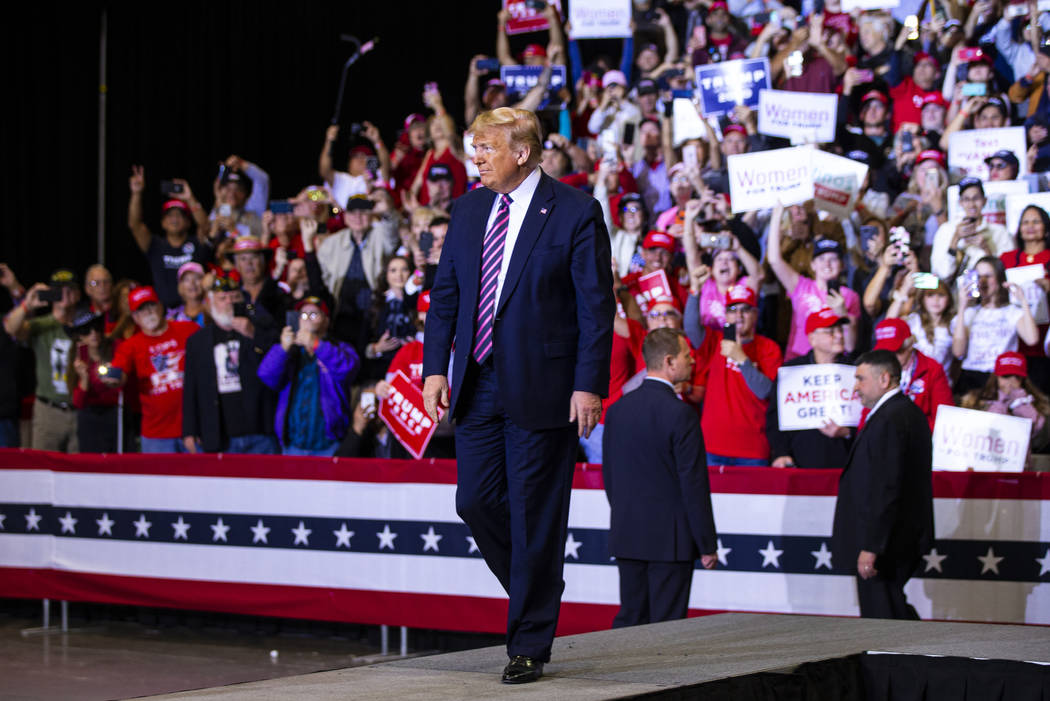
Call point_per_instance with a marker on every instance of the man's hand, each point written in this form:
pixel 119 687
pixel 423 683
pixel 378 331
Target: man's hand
pixel 586 409
pixel 308 229
pixel 435 394
pixel 371 132
pixel 709 561
pixel 243 326
pixel 137 181
pixel 866 565
pixel 733 350
pixel 833 430
pixel 192 444
pixel 186 194
pixel 331 133
pixel 784 461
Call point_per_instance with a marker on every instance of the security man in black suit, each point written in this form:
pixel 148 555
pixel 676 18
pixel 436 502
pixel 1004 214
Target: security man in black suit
pixel 884 511
pixel 655 474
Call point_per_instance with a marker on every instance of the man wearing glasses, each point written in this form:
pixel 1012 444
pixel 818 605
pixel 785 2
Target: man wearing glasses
pixel 959 244
pixel 225 407
pixel 739 369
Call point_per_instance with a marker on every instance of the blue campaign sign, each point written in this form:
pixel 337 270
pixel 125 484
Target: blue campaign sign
pixel 723 86
pixel 520 79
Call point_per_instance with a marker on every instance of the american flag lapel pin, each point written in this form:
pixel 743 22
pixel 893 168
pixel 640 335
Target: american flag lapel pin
pixel 543 210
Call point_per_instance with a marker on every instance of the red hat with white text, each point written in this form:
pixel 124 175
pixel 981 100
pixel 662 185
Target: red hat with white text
pixel 890 334
pixel 142 295
pixel 823 319
pixel 1011 363
pixel 659 239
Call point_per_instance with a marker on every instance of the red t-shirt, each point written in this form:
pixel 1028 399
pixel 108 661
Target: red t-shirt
pixel 626 361
pixel 459 175
pixel 734 419
pixel 907 102
pixel 409 360
pixel 157 364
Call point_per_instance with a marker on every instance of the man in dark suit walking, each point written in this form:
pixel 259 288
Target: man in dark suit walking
pixel 524 290
pixel 655 474
pixel 884 511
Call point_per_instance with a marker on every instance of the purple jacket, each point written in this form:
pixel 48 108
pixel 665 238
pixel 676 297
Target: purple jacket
pixel 337 365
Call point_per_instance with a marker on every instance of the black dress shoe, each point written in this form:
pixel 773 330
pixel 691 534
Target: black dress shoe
pixel 522 670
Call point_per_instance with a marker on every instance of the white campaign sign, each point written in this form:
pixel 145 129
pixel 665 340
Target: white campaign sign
pixel 800 116
pixel 1025 276
pixel 758 180
pixel 836 182
pixel 1015 204
pixel 685 122
pixel 850 5
pixel 810 395
pixel 965 439
pixel 968 148
pixel 599 19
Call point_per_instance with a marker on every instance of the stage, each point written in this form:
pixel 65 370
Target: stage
pixel 732 656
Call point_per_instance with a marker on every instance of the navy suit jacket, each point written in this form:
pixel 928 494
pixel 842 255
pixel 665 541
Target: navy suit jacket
pixel 885 499
pixel 553 326
pixel 655 473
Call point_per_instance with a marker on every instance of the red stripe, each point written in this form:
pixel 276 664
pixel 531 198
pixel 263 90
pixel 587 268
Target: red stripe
pixel 462 613
pixel 737 480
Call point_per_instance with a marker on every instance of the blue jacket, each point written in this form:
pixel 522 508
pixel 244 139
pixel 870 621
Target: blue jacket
pixel 337 365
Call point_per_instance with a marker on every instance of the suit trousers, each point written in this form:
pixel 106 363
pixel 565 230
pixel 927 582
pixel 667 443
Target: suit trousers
pixel 882 596
pixel 513 487
pixel 651 592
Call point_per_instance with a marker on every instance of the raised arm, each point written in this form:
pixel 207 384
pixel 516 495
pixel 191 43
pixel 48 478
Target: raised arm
pixel 139 230
pixel 502 42
pixel 787 275
pixel 324 164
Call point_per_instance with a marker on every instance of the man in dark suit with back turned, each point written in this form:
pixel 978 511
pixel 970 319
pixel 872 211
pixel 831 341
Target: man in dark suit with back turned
pixel 884 510
pixel 655 474
pixel 524 290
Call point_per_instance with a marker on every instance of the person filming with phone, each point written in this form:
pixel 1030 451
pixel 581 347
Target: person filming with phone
pixel 958 245
pixel 225 407
pixel 739 369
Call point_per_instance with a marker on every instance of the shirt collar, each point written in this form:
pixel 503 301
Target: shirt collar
pixel 882 400
pixel 660 379
pixel 522 194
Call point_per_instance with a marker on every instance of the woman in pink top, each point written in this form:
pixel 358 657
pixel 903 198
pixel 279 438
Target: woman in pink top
pixel 712 271
pixel 807 294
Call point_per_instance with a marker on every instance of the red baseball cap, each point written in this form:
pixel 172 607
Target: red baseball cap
pixel 729 128
pixel 423 303
pixel 1011 363
pixel 932 154
pixel 741 294
pixel 823 319
pixel 142 295
pixel 874 95
pixel 534 50
pixel 718 5
pixel 658 239
pixel 175 204
pixel 934 98
pixel 921 56
pixel 316 301
pixel 890 334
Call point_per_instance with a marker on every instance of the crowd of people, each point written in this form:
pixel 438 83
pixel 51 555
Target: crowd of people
pixel 275 325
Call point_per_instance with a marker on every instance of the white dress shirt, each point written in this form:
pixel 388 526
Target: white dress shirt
pixel 521 198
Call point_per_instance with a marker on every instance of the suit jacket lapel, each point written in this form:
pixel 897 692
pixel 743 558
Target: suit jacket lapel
pixel 535 219
pixel 474 243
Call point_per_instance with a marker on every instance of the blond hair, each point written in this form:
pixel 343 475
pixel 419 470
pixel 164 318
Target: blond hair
pixel 522 128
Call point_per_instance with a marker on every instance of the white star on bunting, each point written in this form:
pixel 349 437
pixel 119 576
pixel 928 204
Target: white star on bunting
pixel 2 517
pixel 771 556
pixel 105 524
pixel 723 552
pixel 430 540
pixel 343 536
pixel 33 520
pixel 823 556
pixel 142 526
pixel 1044 563
pixel 572 547
pixel 259 532
pixel 386 537
pixel 989 562
pixel 473 545
pixel 934 560
pixel 219 531
pixel 68 523
pixel 302 535
pixel 182 529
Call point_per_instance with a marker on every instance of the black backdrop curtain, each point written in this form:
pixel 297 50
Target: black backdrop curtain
pixel 189 84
